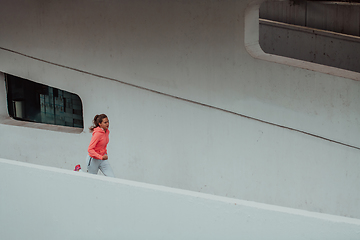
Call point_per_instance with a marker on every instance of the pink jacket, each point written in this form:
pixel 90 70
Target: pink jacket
pixel 98 143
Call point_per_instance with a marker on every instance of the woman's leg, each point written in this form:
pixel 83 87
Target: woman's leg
pixel 92 165
pixel 106 168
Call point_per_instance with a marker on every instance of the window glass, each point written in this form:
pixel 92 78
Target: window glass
pixel 34 102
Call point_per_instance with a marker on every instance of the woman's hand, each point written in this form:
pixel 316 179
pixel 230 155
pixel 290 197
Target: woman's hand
pixel 105 157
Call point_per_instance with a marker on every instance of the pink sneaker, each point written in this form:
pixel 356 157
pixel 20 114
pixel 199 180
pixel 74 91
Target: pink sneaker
pixel 77 168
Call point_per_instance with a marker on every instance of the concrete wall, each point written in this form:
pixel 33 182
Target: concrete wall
pixel 320 32
pixel 308 44
pixel 340 17
pixel 38 202
pixel 189 107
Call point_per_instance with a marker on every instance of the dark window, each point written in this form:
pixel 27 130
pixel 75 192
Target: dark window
pixel 34 102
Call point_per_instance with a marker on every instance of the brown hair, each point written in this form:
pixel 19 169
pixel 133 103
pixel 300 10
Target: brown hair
pixel 97 119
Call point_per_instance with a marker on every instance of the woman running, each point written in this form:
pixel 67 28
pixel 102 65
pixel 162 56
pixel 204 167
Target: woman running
pixel 98 158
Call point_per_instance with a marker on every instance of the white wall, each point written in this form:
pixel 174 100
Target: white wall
pixel 194 53
pixel 40 202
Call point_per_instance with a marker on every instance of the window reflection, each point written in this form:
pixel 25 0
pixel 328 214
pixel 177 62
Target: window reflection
pixel 34 102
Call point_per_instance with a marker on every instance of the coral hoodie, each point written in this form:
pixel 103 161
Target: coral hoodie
pixel 98 143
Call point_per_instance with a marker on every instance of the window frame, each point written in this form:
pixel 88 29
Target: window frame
pixel 6 119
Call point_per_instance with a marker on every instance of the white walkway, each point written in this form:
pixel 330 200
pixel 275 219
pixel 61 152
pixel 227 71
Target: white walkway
pixel 38 202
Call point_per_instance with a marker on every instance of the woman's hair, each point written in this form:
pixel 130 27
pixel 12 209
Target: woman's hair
pixel 97 119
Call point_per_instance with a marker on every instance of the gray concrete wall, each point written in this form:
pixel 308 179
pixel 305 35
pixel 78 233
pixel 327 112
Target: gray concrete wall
pixel 340 17
pixel 189 105
pixel 326 33
pixel 309 44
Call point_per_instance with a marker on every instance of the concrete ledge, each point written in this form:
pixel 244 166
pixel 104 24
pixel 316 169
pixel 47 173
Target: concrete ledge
pixel 39 202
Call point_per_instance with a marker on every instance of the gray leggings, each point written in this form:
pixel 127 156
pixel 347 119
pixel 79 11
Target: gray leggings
pixel 93 166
